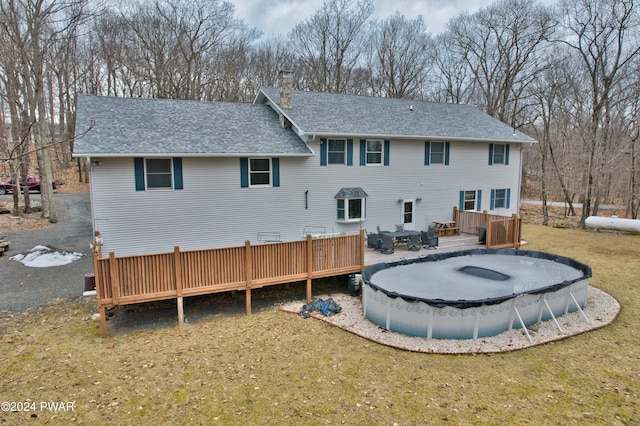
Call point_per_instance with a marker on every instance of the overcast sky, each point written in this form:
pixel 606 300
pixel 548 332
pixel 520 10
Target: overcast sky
pixel 274 17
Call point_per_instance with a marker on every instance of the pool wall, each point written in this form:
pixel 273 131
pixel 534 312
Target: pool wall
pixel 470 319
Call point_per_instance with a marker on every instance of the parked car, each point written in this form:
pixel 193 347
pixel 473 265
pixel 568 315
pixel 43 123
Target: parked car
pixel 32 184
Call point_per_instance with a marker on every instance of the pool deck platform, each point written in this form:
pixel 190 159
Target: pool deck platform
pixel 446 244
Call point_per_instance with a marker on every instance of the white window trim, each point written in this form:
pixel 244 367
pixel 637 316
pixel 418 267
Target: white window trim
pixel 344 152
pixel 366 153
pixel 475 200
pixel 444 153
pixel 504 154
pixel 363 209
pixel 504 199
pixel 262 185
pixel 146 175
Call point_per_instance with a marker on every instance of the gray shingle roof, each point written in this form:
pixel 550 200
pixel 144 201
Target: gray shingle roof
pixel 317 113
pixel 134 126
pixel 356 192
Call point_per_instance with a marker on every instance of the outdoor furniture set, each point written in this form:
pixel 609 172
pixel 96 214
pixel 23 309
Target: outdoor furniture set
pixel 446 228
pixel 387 241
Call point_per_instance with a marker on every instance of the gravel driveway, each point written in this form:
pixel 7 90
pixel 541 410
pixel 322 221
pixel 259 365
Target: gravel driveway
pixel 22 287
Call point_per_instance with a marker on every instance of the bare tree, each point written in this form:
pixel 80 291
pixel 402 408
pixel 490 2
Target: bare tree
pixel 502 44
pixel 182 49
pixel 452 80
pixel 35 26
pixel 399 57
pixel 602 33
pixel 329 43
pixel 549 89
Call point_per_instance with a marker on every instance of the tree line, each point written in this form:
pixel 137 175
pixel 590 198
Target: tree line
pixel 566 74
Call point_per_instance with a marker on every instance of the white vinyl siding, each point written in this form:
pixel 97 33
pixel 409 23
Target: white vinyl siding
pixel 214 210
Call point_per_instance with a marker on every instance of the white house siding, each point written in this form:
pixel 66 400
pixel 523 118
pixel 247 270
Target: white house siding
pixel 214 211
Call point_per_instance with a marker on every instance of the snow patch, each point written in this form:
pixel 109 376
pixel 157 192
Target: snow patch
pixel 46 256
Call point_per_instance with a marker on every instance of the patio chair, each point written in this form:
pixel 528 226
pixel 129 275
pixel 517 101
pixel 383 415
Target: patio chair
pixel 399 228
pixel 386 244
pixel 373 240
pixel 413 242
pixel 429 238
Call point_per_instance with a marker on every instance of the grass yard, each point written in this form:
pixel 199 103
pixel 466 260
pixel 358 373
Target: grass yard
pixel 277 368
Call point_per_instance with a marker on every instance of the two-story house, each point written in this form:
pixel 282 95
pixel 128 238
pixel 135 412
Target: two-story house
pixel 168 173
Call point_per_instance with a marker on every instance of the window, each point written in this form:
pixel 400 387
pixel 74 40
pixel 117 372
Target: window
pixel 498 154
pixel 407 212
pixel 351 205
pixel 336 151
pixel 500 198
pixel 259 172
pixel 374 152
pixel 469 200
pixel 350 210
pixel 437 152
pixel 158 173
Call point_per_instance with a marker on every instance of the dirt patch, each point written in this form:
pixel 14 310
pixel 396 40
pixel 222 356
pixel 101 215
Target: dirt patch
pixel 25 222
pixel 69 177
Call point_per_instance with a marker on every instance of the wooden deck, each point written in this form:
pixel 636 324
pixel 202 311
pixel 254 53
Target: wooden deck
pixel 446 244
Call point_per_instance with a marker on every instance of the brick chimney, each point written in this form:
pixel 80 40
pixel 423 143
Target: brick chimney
pixel 285 84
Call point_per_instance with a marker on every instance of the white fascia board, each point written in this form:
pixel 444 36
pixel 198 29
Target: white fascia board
pixel 325 134
pixel 205 155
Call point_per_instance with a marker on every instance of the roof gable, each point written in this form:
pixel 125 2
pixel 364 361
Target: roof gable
pixel 148 127
pixel 316 113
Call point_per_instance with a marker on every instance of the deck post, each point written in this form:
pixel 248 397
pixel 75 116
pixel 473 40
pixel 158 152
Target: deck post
pixel 455 214
pixel 115 282
pixel 97 244
pixel 362 246
pixel 100 296
pixel 488 239
pixel 309 266
pixel 103 321
pixel 177 278
pixel 248 269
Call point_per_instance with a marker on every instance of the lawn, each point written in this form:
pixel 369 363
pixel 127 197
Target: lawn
pixel 272 367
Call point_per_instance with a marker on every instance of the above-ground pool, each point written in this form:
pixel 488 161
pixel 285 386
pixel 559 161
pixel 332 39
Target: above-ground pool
pixel 473 293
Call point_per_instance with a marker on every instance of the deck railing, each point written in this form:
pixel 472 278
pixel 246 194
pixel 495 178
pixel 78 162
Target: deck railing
pixel 174 275
pixel 502 232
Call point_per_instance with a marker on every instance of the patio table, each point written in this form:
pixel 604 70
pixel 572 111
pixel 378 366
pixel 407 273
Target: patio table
pixel 400 236
pixel 446 228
